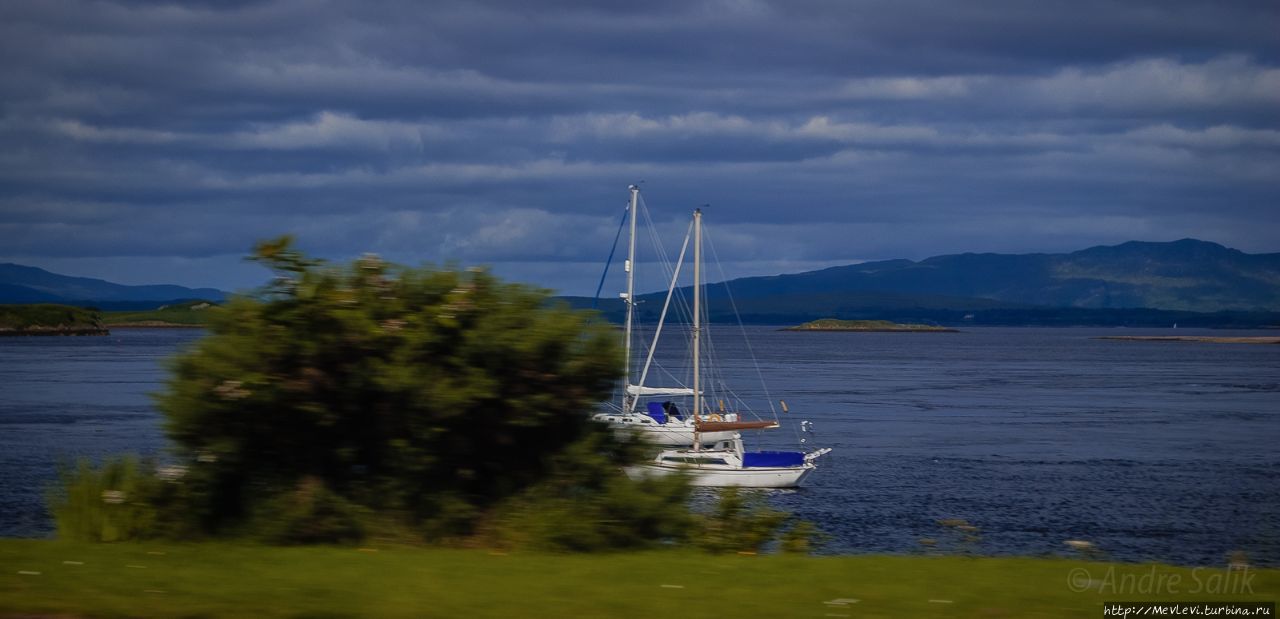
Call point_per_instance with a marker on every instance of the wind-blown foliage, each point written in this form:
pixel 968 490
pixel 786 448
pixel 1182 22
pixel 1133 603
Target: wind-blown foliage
pixel 585 505
pixel 433 394
pixel 108 503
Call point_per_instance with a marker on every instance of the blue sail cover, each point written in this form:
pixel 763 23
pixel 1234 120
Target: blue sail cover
pixel 655 411
pixel 772 458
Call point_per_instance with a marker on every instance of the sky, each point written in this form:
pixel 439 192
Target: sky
pixel 151 142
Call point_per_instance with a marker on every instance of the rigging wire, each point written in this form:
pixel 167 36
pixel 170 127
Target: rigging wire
pixel 668 270
pixel 662 259
pixel 665 306
pixel 747 341
pixel 682 304
pixel 596 301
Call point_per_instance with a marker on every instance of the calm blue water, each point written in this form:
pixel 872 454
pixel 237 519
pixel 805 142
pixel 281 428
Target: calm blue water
pixel 1153 451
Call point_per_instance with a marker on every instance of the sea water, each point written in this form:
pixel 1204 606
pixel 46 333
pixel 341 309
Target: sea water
pixel 1149 450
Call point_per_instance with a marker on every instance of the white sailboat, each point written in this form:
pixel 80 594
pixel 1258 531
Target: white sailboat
pixel 661 422
pixel 726 462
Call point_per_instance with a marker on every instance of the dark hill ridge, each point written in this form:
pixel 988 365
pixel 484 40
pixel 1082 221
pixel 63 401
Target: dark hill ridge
pixel 1084 287
pixel 1186 275
pixel 1189 282
pixel 24 284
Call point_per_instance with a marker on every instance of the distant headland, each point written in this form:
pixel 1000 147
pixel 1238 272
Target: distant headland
pixel 868 326
pixel 1194 338
pixel 49 319
pixel 55 319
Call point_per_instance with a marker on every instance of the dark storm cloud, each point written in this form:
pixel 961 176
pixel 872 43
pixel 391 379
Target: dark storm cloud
pixel 139 134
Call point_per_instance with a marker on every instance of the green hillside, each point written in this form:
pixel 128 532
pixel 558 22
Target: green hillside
pixel 49 319
pixel 185 314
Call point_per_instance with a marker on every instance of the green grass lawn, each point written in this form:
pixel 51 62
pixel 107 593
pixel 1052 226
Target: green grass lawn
pixel 62 579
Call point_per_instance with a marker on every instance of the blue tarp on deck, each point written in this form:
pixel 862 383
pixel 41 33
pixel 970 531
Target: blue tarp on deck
pixel 773 458
pixel 655 411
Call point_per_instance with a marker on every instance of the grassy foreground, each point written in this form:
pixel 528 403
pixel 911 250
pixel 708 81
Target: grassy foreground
pixel 63 579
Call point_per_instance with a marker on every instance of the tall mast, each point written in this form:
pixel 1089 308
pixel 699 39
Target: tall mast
pixel 628 401
pixel 697 315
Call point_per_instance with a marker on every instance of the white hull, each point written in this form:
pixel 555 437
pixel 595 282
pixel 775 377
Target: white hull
pixel 727 465
pixel 784 477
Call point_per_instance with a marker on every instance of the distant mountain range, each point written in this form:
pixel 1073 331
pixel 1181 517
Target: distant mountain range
pixel 1134 283
pixel 24 284
pixel 1187 275
pixel 1130 283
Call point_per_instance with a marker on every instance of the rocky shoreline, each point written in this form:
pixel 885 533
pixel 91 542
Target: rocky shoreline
pixel 153 324
pixel 1266 339
pixel 53 330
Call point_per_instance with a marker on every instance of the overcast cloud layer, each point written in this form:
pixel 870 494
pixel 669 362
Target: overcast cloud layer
pixel 151 143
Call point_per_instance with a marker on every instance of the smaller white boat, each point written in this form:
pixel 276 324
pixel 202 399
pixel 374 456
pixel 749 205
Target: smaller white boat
pixel 727 464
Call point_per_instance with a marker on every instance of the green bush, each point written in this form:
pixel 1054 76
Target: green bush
pixel 587 504
pixel 436 395
pixel 802 537
pixel 742 521
pixel 310 513
pixel 107 503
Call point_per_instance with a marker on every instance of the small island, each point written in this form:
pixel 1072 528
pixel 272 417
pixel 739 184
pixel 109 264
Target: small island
pixel 868 326
pixel 49 319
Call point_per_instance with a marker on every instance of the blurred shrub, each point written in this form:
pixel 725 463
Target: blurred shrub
pixel 741 521
pixel 107 503
pixel 802 537
pixel 433 394
pixel 308 514
pixel 123 498
pixel 588 504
